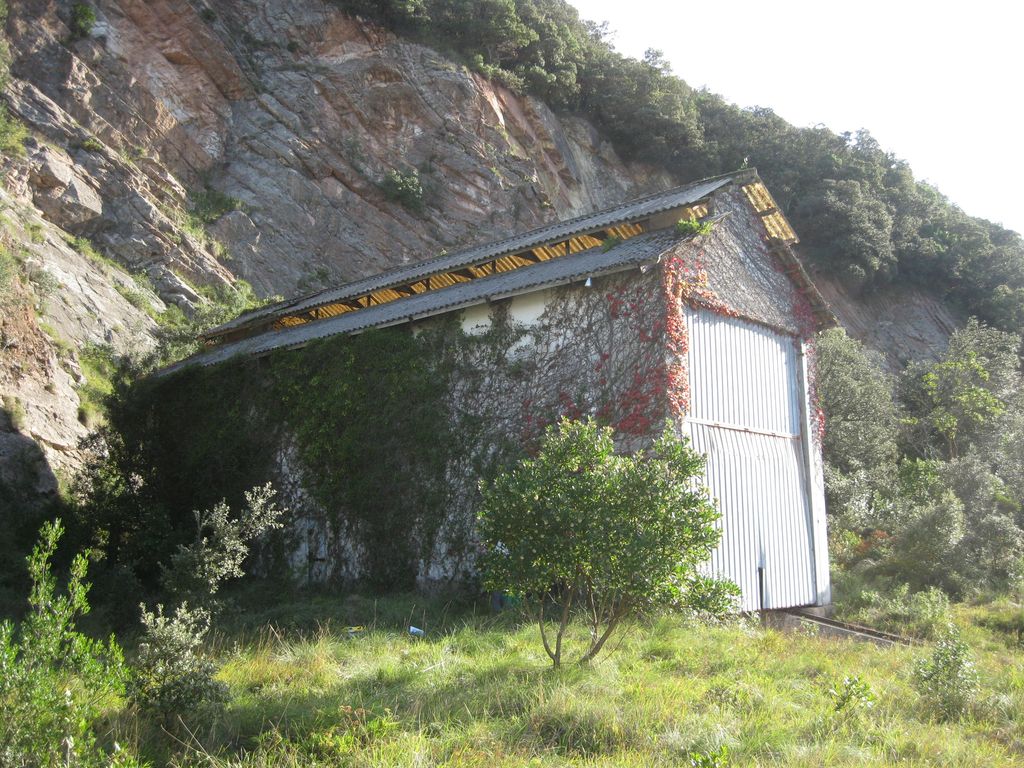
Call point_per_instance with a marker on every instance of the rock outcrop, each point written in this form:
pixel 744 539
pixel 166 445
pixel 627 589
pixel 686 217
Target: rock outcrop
pixel 294 112
pixel 288 110
pixel 299 113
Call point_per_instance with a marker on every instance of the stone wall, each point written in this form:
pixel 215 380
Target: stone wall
pixel 516 367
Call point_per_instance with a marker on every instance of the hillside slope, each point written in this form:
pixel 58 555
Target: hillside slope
pixel 309 131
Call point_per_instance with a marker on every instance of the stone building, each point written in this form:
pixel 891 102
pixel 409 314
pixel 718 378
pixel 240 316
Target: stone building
pixel 687 305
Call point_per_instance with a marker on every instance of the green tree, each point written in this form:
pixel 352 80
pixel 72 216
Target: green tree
pixel 858 242
pixel 861 421
pixel 955 403
pixel 857 396
pixel 53 679
pixel 579 528
pixel 490 28
pixel 927 521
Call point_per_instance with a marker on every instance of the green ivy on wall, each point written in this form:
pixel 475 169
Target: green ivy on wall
pixel 369 416
pixel 391 430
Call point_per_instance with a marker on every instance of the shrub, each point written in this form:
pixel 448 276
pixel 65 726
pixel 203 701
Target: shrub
pixel 208 205
pixel 716 758
pixel 851 697
pixel 579 526
pixel 403 187
pixel 693 227
pixel 948 680
pixel 221 546
pixel 15 411
pixel 170 676
pixel 53 679
pixel 706 598
pixel 43 282
pixel 83 18
pixel 849 702
pixel 92 144
pixel 920 614
pixel 12 134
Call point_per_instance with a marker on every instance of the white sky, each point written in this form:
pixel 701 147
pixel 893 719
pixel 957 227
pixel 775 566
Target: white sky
pixel 937 84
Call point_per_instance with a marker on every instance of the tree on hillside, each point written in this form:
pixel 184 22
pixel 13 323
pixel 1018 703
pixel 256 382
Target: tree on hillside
pixel 940 505
pixel 581 530
pixel 861 427
pixel 953 403
pixel 857 397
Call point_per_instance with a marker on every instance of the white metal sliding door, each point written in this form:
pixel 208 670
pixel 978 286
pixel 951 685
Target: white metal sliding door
pixel 746 416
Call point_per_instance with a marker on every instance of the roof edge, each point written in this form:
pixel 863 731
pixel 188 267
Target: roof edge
pixel 488 250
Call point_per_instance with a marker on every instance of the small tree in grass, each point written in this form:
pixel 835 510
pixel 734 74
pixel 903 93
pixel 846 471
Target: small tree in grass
pixel 579 529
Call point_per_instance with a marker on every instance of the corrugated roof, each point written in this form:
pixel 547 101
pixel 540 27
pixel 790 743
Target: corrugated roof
pixel 596 261
pixel 633 210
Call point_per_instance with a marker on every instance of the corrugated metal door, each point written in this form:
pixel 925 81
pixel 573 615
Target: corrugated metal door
pixel 745 416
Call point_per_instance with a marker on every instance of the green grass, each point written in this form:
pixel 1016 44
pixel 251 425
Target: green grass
pixel 98 366
pixel 12 134
pixel 85 247
pixel 204 207
pixel 92 144
pixel 139 294
pixel 8 275
pixel 62 346
pixel 479 691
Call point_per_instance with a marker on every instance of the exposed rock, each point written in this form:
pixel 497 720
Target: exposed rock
pixel 902 324
pixel 61 303
pixel 297 112
pixel 64 197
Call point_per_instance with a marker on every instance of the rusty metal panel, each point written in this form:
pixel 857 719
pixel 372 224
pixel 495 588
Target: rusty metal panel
pixel 746 393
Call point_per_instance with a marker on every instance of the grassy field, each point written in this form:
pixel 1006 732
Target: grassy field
pixel 479 691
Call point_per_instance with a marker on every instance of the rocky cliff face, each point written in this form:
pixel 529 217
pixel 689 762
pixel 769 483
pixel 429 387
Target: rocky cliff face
pixel 295 112
pixel 289 110
pixel 298 112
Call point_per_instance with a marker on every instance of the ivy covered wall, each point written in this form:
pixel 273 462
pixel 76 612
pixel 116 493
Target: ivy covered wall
pixel 378 441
